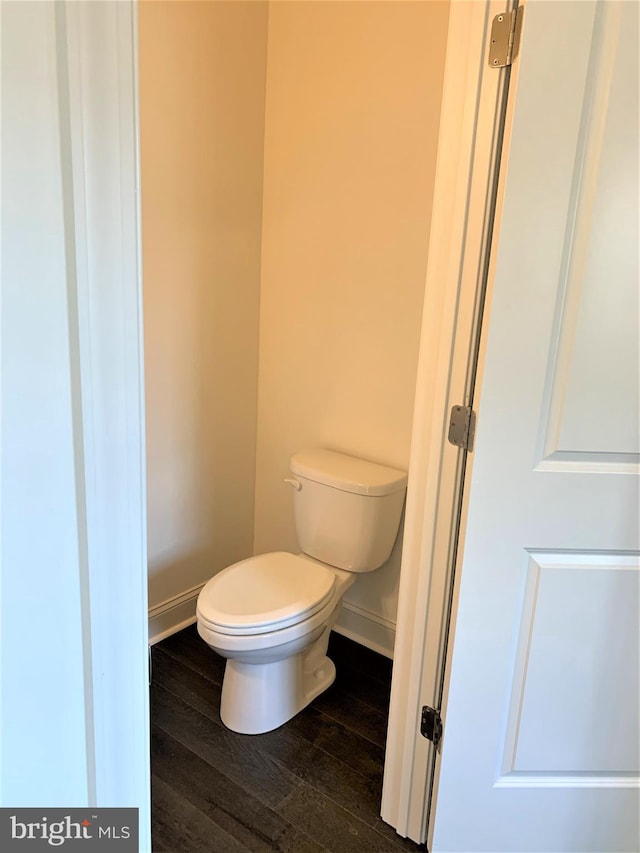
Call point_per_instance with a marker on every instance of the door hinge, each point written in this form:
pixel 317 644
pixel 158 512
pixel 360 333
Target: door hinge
pixel 462 426
pixel 431 725
pixel 503 39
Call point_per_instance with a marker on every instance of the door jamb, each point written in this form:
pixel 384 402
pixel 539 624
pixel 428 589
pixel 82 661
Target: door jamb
pixel 469 137
pixel 98 89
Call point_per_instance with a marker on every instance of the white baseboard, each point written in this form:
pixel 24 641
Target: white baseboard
pixel 173 615
pixel 370 630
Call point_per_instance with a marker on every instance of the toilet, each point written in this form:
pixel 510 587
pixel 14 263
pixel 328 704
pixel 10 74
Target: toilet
pixel 271 615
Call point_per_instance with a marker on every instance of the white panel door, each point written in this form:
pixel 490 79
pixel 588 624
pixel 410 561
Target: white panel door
pixel 541 748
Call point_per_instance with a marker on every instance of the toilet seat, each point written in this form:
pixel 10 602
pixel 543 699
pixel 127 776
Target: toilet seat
pixel 263 594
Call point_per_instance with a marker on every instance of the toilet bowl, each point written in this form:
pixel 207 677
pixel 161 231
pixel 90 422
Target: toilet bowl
pixel 271 615
pixel 276 654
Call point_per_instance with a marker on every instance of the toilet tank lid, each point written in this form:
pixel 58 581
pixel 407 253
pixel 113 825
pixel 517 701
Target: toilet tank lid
pixel 348 473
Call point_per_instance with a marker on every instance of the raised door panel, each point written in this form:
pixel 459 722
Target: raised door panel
pixel 593 391
pixel 573 715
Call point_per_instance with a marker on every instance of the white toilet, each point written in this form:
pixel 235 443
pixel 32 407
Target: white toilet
pixel 271 615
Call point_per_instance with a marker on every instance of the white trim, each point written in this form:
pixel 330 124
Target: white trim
pixel 97 45
pixel 464 171
pixel 166 625
pixel 566 780
pixel 367 628
pixel 173 614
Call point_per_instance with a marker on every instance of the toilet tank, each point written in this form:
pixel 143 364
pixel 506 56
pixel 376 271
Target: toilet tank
pixel 347 511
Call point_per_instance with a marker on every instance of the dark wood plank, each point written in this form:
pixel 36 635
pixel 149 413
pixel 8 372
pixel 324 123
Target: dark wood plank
pixel 334 826
pixel 313 784
pixel 272 764
pixel 178 825
pixel 191 650
pixel 232 808
pixel 187 683
pixel 353 714
pixel 235 756
pixel 361 686
pixel 325 733
pixel 333 778
pixel 317 728
pixel 268 780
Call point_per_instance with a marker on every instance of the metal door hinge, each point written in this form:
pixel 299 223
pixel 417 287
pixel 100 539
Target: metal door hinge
pixel 462 426
pixel 431 725
pixel 503 39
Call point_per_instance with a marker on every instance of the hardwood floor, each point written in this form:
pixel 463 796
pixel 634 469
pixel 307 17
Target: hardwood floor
pixel 312 785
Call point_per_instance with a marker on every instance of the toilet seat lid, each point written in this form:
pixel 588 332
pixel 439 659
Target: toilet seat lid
pixel 265 593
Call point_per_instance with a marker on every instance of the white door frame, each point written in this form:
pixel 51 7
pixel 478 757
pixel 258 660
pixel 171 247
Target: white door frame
pixel 469 147
pixel 103 111
pixel 98 91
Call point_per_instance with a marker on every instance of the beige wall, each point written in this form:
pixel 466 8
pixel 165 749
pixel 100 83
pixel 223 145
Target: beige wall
pixel 202 89
pixel 333 317
pixel 352 111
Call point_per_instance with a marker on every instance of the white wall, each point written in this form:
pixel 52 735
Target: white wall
pixel 202 88
pixel 352 114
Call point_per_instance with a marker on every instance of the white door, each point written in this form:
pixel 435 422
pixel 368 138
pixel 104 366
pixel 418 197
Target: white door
pixel 540 748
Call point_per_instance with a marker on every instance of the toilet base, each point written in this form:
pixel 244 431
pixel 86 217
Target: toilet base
pixel 257 698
